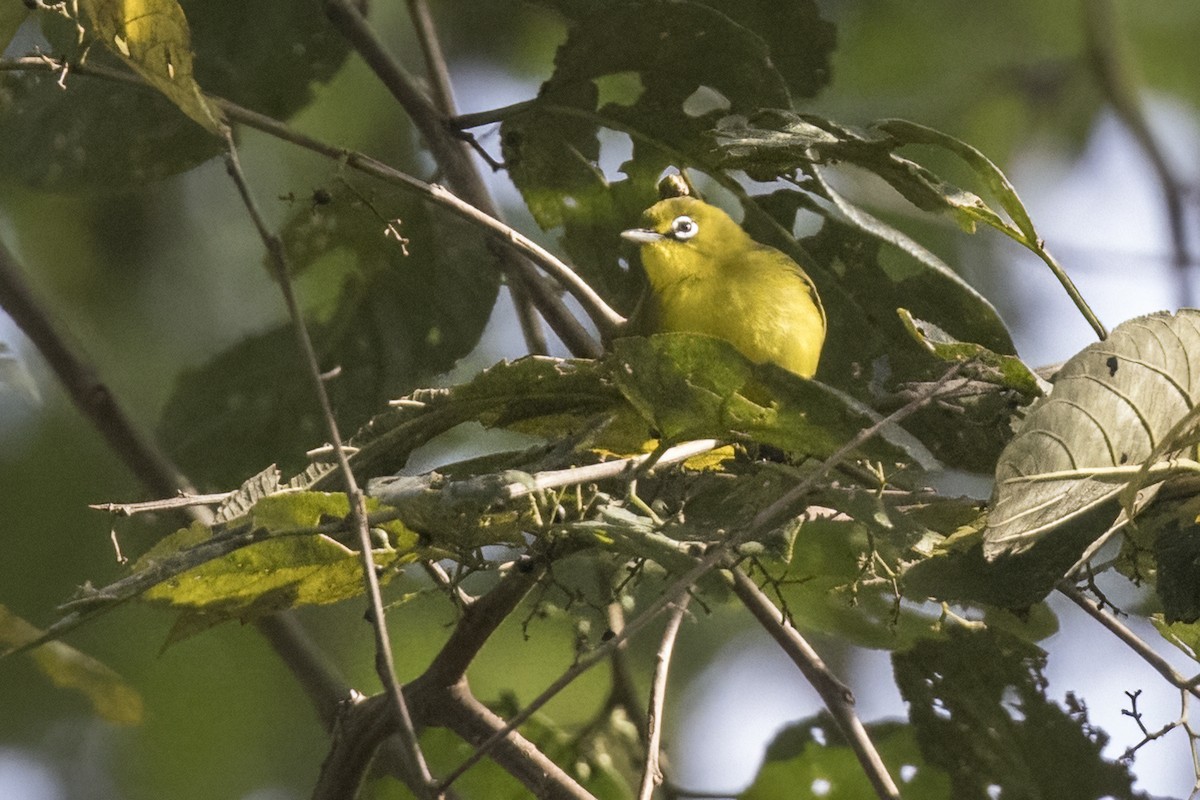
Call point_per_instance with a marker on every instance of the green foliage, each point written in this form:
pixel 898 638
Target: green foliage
pixel 811 758
pixel 983 681
pixel 399 313
pixel 661 74
pixel 395 293
pixel 109 136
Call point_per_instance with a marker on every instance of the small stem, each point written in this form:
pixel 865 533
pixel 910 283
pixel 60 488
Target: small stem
pixel 652 775
pixel 451 153
pixel 1132 640
pixel 421 779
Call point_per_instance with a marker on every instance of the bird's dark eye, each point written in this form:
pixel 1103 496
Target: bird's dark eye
pixel 684 228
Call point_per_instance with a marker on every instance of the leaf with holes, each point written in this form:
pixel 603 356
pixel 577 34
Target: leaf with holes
pixel 1117 407
pixel 153 38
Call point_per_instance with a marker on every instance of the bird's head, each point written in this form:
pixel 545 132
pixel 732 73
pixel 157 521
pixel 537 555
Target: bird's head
pixel 686 236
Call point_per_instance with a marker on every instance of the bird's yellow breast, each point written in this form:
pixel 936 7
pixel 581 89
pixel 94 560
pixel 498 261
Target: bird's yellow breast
pixel 718 281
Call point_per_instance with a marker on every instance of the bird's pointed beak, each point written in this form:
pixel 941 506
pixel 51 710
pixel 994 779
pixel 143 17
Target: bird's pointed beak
pixel 641 235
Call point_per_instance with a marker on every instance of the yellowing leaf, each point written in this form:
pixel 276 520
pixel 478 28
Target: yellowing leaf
pixel 291 568
pixel 111 697
pixel 153 38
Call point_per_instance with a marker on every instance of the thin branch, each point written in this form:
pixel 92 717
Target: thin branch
pixel 778 510
pixel 717 554
pixel 435 60
pixel 449 151
pixel 836 696
pixel 549 304
pixel 420 778
pixel 652 775
pixel 1115 75
pixel 623 692
pixel 1132 640
pixel 93 398
pixel 166 504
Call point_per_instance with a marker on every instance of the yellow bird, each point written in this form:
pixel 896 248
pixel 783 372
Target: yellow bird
pixel 708 276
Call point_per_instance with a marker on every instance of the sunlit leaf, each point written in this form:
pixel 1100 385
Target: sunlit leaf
pixel 152 37
pixel 1184 635
pixel 292 567
pixel 692 386
pixel 1005 371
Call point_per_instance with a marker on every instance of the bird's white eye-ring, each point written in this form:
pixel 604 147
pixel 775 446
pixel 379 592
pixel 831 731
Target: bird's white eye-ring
pixel 684 227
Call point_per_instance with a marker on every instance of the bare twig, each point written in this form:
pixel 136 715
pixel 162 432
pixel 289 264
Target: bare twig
pixel 1114 73
pixel 652 775
pixel 90 394
pixel 836 696
pixel 448 149
pixel 435 60
pixel 166 504
pixel 1132 640
pixel 573 335
pixel 420 778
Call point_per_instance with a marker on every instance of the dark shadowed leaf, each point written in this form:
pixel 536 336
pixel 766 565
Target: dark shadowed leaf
pixel 111 698
pixel 397 321
pixel 977 681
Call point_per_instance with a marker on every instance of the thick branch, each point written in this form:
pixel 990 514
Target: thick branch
pixel 90 395
pixel 836 696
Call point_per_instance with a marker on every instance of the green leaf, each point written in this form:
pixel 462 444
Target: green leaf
pixel 660 73
pixel 830 585
pixel 1114 409
pixel 278 80
pixel 868 352
pixel 1008 372
pixel 112 699
pixel 541 396
pixel 111 136
pixel 153 38
pixel 1184 635
pixel 293 567
pixel 389 321
pixel 976 681
pixel 811 758
pixel 692 386
pixel 106 134
pixel 1163 549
